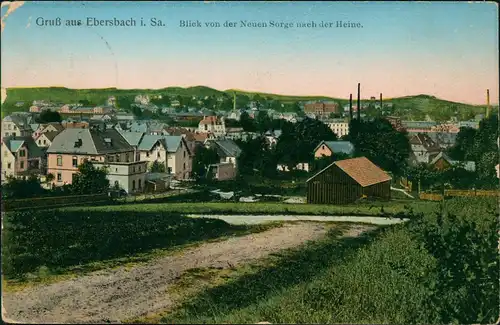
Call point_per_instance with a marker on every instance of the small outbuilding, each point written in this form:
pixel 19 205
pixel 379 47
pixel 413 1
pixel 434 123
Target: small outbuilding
pixel 345 181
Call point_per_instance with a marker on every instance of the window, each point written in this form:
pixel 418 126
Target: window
pixel 117 184
pixel 44 141
pixel 184 166
pixel 59 160
pixel 111 158
pixel 75 161
pixel 184 154
pixel 8 165
pixel 147 154
pixel 59 177
pixel 159 156
pixel 117 158
pixel 22 164
pixel 140 183
pixel 169 170
pixel 40 142
pixel 133 169
pixel 133 185
pixel 22 153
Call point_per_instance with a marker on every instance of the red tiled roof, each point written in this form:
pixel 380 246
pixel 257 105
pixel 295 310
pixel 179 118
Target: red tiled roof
pixel 362 170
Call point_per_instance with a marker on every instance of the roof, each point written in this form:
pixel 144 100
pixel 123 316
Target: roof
pixel 338 146
pixel 228 148
pixel 92 142
pixel 173 142
pixel 34 126
pixel 210 120
pixel 361 170
pixel 424 140
pixel 133 138
pixel 58 126
pixel 15 143
pixel 50 135
pixel 419 124
pixel 467 165
pixel 148 141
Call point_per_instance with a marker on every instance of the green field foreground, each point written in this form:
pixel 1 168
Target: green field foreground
pixel 435 269
pixel 364 209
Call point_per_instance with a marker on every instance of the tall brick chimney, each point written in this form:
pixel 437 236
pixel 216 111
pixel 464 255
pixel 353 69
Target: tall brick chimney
pixel 350 107
pixel 381 101
pixel 359 102
pixel 488 103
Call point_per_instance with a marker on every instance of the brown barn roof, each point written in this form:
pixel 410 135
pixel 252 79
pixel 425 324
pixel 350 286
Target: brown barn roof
pixel 362 170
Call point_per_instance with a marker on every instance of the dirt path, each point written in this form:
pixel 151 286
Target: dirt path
pixel 119 294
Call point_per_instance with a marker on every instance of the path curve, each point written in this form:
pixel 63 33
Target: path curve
pixel 120 294
pixel 258 219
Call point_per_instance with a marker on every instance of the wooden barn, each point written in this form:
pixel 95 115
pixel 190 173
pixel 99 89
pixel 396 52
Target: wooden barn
pixel 347 180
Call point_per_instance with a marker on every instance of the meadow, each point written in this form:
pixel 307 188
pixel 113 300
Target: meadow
pixel 440 267
pixel 391 208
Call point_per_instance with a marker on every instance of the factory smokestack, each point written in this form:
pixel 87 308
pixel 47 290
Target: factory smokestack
pixel 488 103
pixel 381 107
pixel 359 102
pixel 350 107
pixel 234 101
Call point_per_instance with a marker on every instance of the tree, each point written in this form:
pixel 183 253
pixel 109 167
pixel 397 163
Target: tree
pixel 125 102
pixel 202 159
pixel 49 116
pixel 157 167
pixel 263 122
pixel 378 141
pixel 464 142
pixel 90 180
pixel 16 188
pixel 297 141
pixel 256 158
pixel 246 122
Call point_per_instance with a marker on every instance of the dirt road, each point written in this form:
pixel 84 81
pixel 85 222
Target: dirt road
pixel 120 294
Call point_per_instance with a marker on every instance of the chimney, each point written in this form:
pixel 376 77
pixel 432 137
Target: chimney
pixel 381 101
pixel 350 107
pixel 487 103
pixel 359 102
pixel 234 101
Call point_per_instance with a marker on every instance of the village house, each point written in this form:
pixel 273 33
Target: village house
pixel 172 151
pixel 272 137
pixel 327 148
pixel 442 162
pixel 47 127
pixel 16 125
pixel 212 124
pixel 45 139
pixel 227 150
pixel 346 181
pixel 423 149
pixel 104 148
pixel 222 171
pixel 20 157
pixel 339 127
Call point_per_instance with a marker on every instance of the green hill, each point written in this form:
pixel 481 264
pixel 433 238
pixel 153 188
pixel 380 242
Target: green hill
pixel 408 107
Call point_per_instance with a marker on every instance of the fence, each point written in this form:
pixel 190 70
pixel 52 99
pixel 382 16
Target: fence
pixel 430 197
pixel 54 201
pixel 471 193
pixel 457 193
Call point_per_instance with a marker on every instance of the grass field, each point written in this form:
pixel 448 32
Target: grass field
pixel 364 209
pixel 39 246
pixel 427 271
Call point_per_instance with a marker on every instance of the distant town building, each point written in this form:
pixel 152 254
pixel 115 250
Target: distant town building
pixel 339 127
pixel 328 148
pixel 142 99
pixel 321 108
pixel 212 124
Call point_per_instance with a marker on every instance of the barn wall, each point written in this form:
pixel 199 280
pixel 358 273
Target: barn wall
pixel 333 186
pixel 379 190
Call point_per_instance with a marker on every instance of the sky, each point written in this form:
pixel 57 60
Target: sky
pixel 448 49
